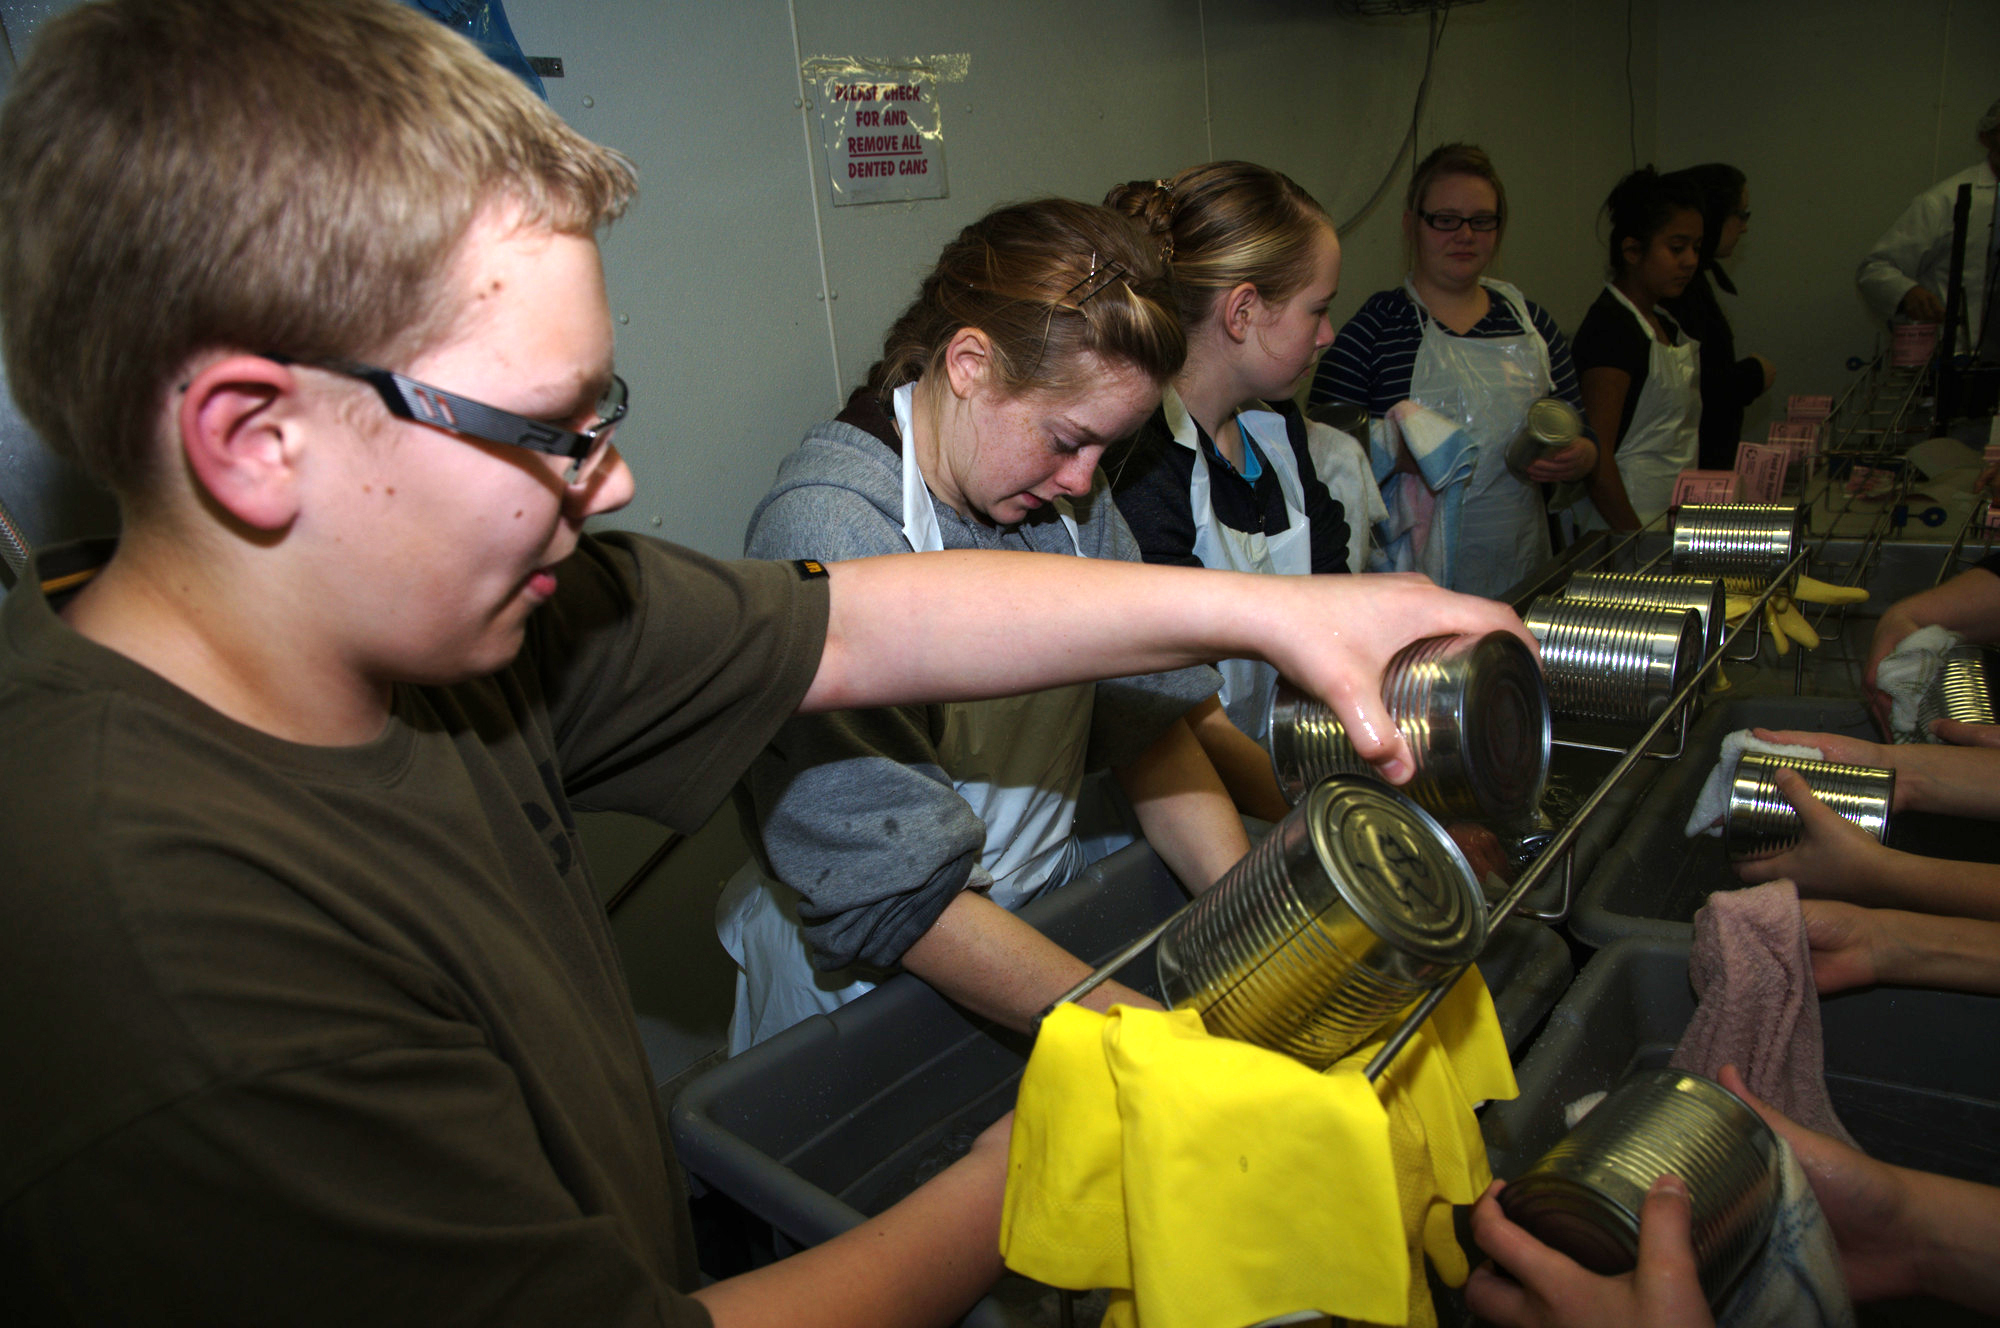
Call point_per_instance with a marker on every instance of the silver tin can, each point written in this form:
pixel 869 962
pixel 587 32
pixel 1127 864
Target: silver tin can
pixel 1746 544
pixel 1352 908
pixel 1761 824
pixel 1551 425
pixel 1965 688
pixel 1617 664
pixel 1705 595
pixel 1584 1195
pixel 1474 710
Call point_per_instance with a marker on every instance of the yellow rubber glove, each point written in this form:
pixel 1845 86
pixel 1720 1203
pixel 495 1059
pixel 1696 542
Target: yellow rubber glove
pixel 1206 1181
pixel 1794 625
pixel 1813 591
pixel 1212 1181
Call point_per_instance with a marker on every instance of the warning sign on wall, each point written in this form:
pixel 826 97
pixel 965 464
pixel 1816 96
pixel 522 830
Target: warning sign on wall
pixel 882 133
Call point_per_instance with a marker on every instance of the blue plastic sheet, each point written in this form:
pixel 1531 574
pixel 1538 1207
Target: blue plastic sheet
pixel 484 22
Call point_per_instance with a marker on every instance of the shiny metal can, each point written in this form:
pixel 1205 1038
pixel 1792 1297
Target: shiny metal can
pixel 1964 688
pixel 1746 544
pixel 1551 425
pixel 1618 664
pixel 1474 710
pixel 1349 911
pixel 1705 595
pixel 1761 824
pixel 1584 1195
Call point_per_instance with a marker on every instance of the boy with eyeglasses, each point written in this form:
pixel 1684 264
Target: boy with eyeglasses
pixel 314 1014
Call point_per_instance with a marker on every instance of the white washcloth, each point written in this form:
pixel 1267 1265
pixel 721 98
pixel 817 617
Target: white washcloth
pixel 1797 1279
pixel 1713 804
pixel 1420 532
pixel 1905 675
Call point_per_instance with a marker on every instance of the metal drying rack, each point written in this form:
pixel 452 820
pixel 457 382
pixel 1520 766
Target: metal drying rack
pixel 1871 422
pixel 1560 849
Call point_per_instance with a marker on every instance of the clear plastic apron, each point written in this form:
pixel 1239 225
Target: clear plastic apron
pixel 1485 385
pixel 1018 762
pixel 1665 437
pixel 1247 684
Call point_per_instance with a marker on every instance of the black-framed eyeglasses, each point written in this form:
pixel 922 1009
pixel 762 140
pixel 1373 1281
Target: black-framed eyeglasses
pixel 1451 221
pixel 408 399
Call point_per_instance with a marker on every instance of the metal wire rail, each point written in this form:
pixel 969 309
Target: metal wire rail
pixel 1565 838
pixel 1560 851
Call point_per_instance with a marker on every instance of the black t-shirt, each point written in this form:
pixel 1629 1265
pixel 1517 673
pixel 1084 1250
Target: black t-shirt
pixel 311 1035
pixel 1728 384
pixel 1611 338
pixel 1151 487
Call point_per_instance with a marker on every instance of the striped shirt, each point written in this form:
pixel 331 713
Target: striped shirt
pixel 1370 362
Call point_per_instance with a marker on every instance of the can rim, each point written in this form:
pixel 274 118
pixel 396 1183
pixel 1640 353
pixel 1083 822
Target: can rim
pixel 1459 932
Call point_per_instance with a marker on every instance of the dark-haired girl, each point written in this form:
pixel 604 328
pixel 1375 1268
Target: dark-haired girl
pixel 1728 384
pixel 1640 372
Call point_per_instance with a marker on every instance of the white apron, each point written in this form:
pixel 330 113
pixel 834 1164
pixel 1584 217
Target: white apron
pixel 1247 684
pixel 1017 761
pixel 1665 437
pixel 1485 385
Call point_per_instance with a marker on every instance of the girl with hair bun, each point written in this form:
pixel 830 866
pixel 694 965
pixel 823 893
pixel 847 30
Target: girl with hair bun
pixel 1473 349
pixel 1221 475
pixel 1641 372
pixel 906 835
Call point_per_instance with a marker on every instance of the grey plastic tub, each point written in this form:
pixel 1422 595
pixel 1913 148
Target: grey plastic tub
pixel 838 1117
pixel 1896 1069
pixel 1652 878
pixel 1895 1062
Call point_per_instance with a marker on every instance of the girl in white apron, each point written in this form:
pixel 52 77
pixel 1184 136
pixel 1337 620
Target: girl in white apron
pixel 1482 356
pixel 1640 372
pixel 1222 476
pixel 908 836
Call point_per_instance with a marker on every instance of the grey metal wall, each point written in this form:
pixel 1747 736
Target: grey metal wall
pixel 1838 114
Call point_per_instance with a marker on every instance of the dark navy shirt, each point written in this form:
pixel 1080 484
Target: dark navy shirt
pixel 1370 362
pixel 1151 487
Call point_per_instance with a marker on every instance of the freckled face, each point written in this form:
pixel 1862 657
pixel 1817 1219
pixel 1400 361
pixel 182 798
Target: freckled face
pixel 1288 337
pixel 1009 456
pixel 448 543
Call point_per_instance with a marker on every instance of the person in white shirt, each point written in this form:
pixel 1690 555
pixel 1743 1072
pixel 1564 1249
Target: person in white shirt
pixel 1907 271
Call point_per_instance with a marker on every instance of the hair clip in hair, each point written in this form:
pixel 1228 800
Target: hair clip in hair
pixel 1094 281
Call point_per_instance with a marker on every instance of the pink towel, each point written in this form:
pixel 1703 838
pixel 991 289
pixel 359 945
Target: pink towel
pixel 1757 1007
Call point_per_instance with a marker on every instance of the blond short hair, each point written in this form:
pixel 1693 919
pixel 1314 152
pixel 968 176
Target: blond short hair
pixel 187 175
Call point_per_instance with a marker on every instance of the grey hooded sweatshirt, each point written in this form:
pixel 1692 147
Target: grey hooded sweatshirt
pixel 852 808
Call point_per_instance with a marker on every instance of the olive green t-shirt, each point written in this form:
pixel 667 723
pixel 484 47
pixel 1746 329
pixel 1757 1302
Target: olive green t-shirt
pixel 311 1035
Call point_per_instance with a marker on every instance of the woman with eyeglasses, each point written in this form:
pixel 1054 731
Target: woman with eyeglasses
pixel 1728 384
pixel 1222 474
pixel 1474 350
pixel 1640 369
pixel 906 836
